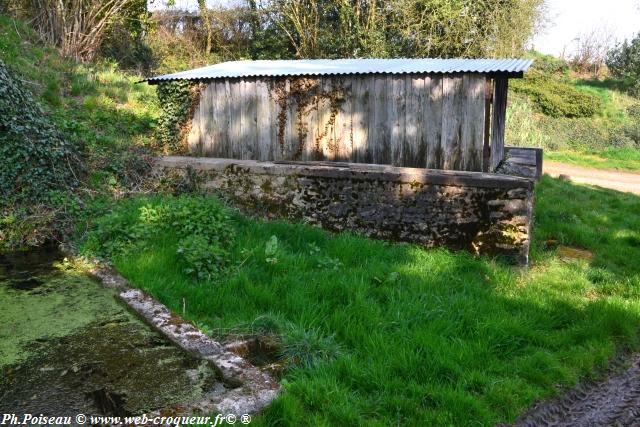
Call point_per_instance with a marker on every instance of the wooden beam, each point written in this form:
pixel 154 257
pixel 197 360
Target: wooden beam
pixel 500 89
pixel 486 146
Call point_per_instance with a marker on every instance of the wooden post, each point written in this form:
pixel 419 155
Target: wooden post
pixel 500 89
pixel 486 147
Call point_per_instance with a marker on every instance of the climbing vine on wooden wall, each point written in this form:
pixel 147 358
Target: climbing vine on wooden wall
pixel 178 101
pixel 306 94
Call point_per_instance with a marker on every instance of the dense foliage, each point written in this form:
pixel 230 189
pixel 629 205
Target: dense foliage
pixel 624 62
pixel 78 27
pixel 176 99
pixel 556 98
pixel 90 110
pixel 36 159
pixel 196 228
pixel 137 39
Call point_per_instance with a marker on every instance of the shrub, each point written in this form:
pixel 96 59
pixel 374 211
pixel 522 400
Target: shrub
pixel 548 64
pixel 203 259
pixel 556 98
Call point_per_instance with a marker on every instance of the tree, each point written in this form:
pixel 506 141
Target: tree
pixel 406 28
pixel 624 62
pixel 465 28
pixel 592 48
pixel 76 27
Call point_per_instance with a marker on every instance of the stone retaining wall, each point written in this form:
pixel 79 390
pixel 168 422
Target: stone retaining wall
pixel 484 213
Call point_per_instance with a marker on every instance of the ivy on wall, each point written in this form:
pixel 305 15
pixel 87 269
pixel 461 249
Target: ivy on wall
pixel 178 100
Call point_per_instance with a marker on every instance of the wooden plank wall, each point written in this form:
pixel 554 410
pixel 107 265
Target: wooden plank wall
pixel 424 121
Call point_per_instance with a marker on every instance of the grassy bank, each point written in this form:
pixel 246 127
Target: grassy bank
pixel 101 112
pixel 584 121
pixel 379 334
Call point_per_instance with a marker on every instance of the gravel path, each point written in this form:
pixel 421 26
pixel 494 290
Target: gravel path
pixel 615 180
pixel 614 401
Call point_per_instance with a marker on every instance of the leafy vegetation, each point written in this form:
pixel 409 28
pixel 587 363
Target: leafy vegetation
pixel 176 99
pixel 589 122
pixel 624 63
pixel 201 225
pixel 556 98
pixel 37 158
pixel 397 334
pixel 90 111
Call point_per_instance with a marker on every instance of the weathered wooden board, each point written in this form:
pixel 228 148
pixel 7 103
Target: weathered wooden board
pixel 414 149
pixel 360 114
pixel 421 121
pixel 225 118
pixel 263 118
pixel 472 122
pixel 344 137
pixel 274 132
pixel 396 104
pixel 308 118
pixel 194 144
pixel 452 109
pixel 235 120
pixel 381 141
pixel 432 121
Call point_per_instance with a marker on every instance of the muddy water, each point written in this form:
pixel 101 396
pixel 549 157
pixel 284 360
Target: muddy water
pixel 68 346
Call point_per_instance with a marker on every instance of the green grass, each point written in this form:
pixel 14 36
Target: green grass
pixel 96 103
pixel 605 141
pixel 626 159
pixel 399 335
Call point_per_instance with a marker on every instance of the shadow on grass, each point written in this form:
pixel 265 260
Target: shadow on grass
pixel 606 222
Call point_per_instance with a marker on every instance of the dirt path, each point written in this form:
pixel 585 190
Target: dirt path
pixel 621 181
pixel 615 401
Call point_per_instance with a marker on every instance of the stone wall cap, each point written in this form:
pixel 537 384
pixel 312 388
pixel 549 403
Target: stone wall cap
pixel 356 171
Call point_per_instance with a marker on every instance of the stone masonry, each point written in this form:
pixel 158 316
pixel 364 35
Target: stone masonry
pixel 483 213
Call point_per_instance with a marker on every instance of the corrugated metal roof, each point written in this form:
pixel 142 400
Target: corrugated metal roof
pixel 319 67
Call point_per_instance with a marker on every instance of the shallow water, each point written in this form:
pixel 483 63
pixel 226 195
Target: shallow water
pixel 68 346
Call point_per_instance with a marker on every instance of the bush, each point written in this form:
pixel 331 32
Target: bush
pixel 548 64
pixel 556 98
pixel 198 227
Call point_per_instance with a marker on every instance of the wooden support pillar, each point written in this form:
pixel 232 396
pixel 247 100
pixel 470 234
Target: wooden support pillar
pixel 500 89
pixel 486 146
